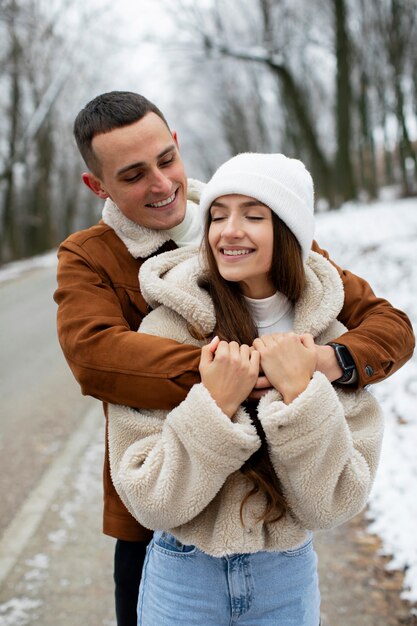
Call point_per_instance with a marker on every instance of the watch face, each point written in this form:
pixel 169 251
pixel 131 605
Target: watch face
pixel 344 358
pixel 348 362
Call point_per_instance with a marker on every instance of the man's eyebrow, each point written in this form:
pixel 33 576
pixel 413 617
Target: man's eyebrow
pixel 140 164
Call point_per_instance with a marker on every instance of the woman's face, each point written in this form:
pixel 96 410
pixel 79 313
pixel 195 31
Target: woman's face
pixel 241 239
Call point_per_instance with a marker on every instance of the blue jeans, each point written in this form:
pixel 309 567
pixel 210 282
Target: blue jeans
pixel 183 586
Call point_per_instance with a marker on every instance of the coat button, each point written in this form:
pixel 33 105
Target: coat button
pixel 369 370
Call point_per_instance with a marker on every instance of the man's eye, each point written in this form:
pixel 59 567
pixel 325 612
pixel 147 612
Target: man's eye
pixel 132 179
pixel 167 161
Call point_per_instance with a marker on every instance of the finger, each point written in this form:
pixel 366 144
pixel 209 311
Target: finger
pixel 212 346
pixel 245 352
pixel 262 383
pixel 257 394
pixel 259 344
pixel 254 361
pixel 206 356
pixel 222 351
pixel 234 349
pixel 308 341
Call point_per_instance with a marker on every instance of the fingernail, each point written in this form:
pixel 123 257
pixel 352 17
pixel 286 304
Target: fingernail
pixel 214 339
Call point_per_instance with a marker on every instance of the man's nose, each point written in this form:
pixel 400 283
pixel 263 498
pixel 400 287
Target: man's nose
pixel 160 183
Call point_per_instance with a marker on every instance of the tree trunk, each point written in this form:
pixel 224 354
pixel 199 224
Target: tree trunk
pixel 405 147
pixel 296 104
pixel 366 142
pixel 346 188
pixel 11 237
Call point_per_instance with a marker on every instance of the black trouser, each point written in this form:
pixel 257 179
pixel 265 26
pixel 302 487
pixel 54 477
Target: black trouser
pixel 128 563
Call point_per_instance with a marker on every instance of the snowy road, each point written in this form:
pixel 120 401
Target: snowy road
pixel 55 565
pixel 41 403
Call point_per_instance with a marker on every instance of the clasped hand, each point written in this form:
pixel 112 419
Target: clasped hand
pixel 230 372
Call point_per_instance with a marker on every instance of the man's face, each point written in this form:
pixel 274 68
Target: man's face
pixel 142 172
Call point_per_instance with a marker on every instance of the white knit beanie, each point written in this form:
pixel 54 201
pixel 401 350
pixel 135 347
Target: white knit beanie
pixel 283 184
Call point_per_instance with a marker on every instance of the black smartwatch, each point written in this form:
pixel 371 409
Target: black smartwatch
pixel 345 361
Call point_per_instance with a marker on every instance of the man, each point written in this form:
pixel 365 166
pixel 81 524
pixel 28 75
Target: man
pixel 135 166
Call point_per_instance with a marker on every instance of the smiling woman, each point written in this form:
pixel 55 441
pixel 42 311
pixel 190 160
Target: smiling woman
pixel 233 488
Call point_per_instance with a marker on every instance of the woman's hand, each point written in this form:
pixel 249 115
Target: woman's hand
pixel 229 372
pixel 288 361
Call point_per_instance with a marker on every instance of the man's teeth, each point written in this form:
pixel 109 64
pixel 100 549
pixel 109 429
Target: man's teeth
pixel 236 252
pixel 163 202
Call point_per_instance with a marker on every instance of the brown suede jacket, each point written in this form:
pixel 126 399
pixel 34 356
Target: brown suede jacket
pixel 100 308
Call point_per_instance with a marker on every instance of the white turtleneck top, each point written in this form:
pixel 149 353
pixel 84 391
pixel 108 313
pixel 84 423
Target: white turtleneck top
pixel 272 315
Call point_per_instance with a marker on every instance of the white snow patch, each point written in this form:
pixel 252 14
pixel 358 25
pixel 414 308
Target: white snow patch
pixel 379 242
pixel 18 611
pixel 17 268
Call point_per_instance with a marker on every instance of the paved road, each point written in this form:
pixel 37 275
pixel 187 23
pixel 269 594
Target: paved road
pixel 40 402
pixel 55 565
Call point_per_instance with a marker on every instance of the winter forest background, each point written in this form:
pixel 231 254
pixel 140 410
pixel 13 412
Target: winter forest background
pixel 333 82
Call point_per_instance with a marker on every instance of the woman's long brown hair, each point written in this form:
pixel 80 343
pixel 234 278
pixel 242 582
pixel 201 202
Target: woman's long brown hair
pixel 235 323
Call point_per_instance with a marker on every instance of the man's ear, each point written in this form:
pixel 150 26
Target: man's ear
pixel 94 184
pixel 175 136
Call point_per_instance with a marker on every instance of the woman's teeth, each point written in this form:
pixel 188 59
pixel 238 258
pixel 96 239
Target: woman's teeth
pixel 236 252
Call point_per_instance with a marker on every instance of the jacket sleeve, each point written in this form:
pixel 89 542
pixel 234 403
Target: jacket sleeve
pixel 380 337
pixel 325 448
pixel 167 469
pixel 109 360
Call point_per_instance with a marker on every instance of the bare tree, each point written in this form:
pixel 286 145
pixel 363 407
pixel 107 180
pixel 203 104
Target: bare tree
pixel 397 25
pixel 345 184
pixel 330 110
pixel 41 66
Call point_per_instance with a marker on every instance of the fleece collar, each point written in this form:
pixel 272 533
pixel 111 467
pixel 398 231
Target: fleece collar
pixel 171 279
pixel 140 241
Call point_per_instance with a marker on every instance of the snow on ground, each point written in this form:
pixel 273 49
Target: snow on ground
pixel 15 269
pixel 378 242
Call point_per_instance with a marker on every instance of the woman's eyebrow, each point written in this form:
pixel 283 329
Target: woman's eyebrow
pixel 245 204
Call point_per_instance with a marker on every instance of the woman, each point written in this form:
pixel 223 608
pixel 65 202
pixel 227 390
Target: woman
pixel 233 490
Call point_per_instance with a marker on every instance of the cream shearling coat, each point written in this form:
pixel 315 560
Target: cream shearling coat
pixel 179 471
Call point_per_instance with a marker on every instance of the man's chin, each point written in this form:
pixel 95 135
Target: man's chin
pixel 167 224
pixel 175 221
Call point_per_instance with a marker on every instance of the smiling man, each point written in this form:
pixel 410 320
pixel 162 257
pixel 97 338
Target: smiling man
pixel 135 166
pixel 148 186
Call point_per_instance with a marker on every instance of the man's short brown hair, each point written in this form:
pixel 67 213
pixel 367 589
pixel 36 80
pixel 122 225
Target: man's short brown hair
pixel 104 113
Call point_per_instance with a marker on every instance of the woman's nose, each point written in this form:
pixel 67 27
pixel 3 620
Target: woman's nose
pixel 232 228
